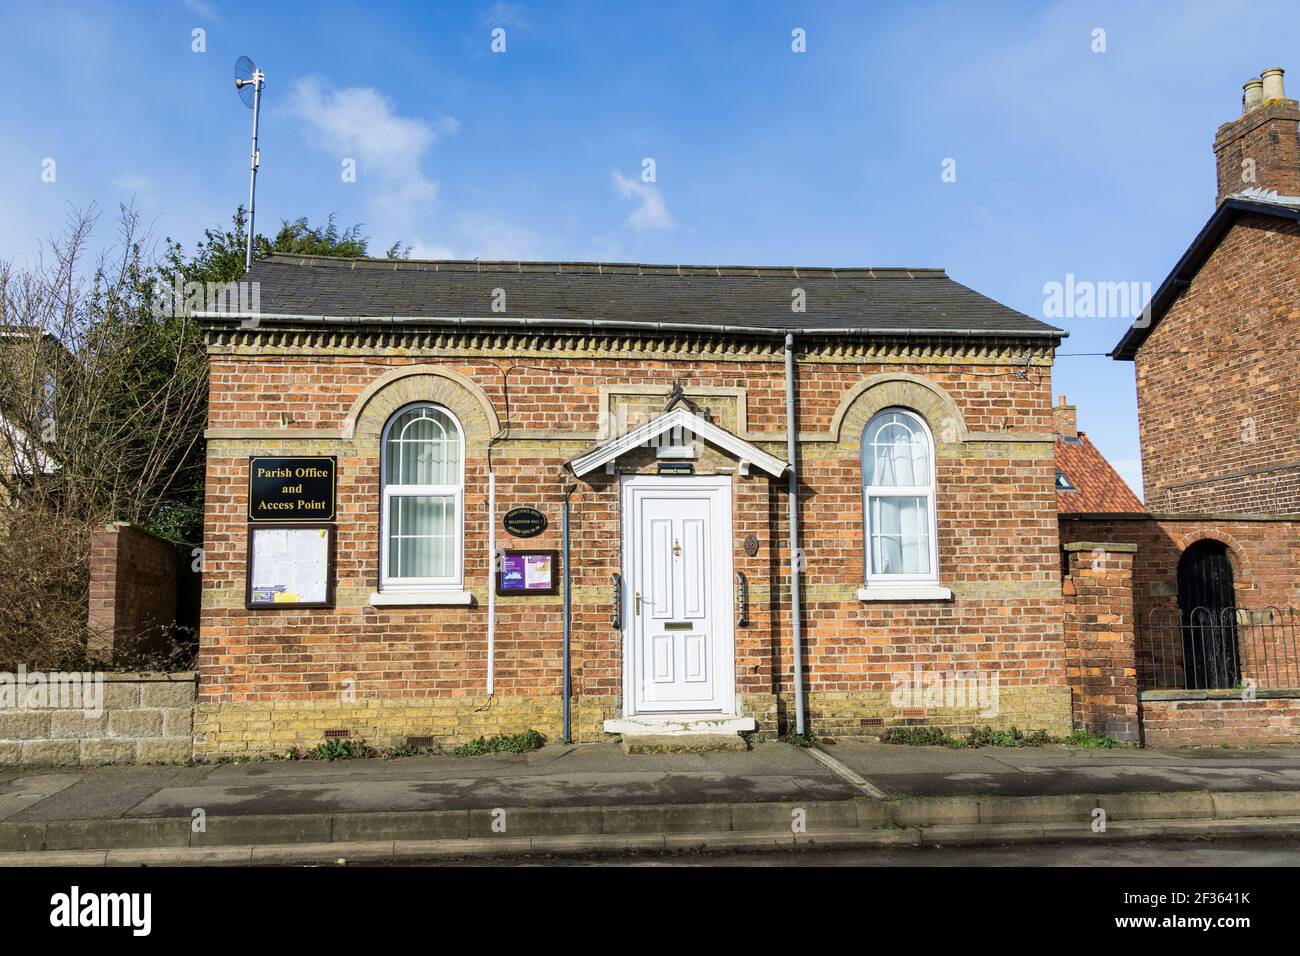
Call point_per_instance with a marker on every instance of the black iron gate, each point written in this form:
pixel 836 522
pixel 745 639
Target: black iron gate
pixel 1208 623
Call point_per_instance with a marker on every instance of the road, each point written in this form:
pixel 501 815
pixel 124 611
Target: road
pixel 1210 853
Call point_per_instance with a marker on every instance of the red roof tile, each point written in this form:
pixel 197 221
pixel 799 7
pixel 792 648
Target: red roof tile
pixel 1098 486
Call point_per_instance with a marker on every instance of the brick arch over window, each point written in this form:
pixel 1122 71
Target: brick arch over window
pixel 898 390
pixel 423 383
pixel 1236 553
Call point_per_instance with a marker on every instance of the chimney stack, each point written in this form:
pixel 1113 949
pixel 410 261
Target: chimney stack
pixel 1065 420
pixel 1261 148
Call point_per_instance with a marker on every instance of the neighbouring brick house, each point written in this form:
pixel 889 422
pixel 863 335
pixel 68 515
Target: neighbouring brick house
pixel 1215 570
pixel 651 399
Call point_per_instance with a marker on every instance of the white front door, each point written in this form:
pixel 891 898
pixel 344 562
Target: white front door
pixel 678 650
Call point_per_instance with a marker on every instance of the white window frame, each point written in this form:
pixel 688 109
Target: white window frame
pixel 389 492
pixel 874 579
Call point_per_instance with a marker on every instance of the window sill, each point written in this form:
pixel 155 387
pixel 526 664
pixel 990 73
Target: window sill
pixel 414 598
pixel 902 592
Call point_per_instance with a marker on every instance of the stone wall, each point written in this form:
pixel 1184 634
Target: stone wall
pixel 140 718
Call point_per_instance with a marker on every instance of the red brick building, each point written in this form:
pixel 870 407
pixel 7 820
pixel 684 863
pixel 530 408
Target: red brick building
pixel 1214 580
pixel 651 402
pixel 1215 355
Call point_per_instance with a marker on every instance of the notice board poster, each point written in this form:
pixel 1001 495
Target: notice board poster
pixel 528 572
pixel 290 566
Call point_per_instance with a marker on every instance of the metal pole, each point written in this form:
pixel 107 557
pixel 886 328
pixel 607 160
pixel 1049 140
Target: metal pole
pixel 252 175
pixel 568 615
pixel 492 583
pixel 791 447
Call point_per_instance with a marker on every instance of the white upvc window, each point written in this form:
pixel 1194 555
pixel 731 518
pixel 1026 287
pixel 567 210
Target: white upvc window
pixel 898 501
pixel 422 474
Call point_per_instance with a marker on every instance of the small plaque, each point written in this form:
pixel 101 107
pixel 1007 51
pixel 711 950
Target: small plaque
pixel 291 489
pixel 528 572
pixel 524 522
pixel 751 544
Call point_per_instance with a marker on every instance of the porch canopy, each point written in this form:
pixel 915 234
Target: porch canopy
pixel 747 453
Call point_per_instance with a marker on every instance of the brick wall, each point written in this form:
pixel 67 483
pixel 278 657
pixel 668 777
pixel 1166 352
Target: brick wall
pixel 275 678
pixel 1210 722
pixel 1218 384
pixel 133 588
pixel 1264 554
pixel 122 718
pixel 1099 638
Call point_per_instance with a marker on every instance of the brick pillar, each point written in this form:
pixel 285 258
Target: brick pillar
pixel 1100 650
pixel 132 587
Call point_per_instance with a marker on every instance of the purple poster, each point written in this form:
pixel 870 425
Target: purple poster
pixel 527 572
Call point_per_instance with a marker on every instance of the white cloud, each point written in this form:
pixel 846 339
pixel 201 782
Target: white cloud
pixel 136 184
pixel 487 236
pixel 652 213
pixel 506 15
pixel 479 235
pixel 205 10
pixel 360 123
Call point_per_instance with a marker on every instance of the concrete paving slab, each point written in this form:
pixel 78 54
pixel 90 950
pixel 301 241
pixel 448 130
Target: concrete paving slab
pixel 92 798
pixel 19 793
pixel 583 776
pixel 1058 770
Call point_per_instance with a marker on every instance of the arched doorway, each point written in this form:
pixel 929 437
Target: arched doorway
pixel 1208 615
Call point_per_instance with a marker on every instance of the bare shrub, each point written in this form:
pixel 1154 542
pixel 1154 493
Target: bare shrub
pixel 102 404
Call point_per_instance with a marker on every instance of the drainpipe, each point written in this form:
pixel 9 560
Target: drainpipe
pixel 568 619
pixel 492 574
pixel 791 443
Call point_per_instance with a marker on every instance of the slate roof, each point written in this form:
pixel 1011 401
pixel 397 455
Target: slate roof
pixel 1252 201
pixel 1098 486
pixel 706 298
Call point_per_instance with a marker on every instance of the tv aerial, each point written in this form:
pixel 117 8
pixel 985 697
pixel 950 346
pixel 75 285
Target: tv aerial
pixel 248 83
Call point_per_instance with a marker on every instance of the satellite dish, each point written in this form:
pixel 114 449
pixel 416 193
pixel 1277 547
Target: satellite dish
pixel 245 82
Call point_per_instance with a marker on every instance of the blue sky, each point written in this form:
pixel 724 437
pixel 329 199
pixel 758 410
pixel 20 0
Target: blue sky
pixel 1068 161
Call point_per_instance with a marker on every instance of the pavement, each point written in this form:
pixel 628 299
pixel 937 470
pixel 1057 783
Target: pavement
pixel 597 793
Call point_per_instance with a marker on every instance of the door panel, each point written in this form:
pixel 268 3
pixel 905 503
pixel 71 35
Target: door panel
pixel 680 567
pixel 658 593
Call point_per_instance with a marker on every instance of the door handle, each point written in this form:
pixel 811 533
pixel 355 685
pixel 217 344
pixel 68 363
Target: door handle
pixel 638 603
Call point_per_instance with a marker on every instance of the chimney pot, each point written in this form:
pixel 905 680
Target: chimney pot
pixel 1252 95
pixel 1272 80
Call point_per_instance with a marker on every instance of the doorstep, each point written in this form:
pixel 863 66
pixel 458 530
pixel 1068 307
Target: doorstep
pixel 681 733
pixel 663 725
pixel 682 743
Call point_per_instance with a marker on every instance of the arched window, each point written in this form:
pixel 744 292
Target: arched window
pixel 898 499
pixel 423 480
